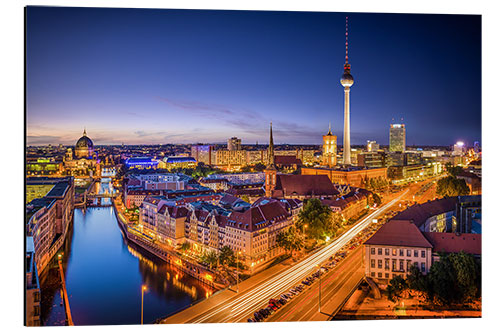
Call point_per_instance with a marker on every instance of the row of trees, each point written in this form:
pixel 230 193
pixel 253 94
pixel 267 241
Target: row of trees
pixel 225 258
pixel 316 221
pixel 454 279
pixel 451 186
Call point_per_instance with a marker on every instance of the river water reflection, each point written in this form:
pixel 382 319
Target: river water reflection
pixel 104 275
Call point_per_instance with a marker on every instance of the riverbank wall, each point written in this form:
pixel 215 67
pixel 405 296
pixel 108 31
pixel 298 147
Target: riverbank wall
pixel 193 269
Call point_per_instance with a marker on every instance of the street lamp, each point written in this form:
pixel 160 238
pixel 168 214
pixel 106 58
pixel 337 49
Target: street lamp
pixel 237 274
pixel 319 290
pixel 143 289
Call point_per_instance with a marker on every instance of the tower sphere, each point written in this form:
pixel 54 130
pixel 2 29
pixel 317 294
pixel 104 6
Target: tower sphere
pixel 347 80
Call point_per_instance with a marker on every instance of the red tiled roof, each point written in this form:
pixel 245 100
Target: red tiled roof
pixel 420 213
pixel 228 199
pixel 258 217
pixel 305 185
pixel 399 233
pixel 246 191
pixel 287 160
pixel 453 243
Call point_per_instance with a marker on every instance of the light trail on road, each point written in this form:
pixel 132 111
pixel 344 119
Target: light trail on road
pixel 243 305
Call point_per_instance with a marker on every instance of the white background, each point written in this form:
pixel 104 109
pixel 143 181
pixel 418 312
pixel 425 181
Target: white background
pixel 12 138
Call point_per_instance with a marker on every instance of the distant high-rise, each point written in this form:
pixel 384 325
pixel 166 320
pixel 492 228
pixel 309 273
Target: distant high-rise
pixel 372 146
pixel 329 149
pixel 234 144
pixel 347 81
pixel 459 148
pixel 397 138
pixel 477 147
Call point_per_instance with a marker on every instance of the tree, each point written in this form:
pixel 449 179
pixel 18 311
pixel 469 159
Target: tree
pixel 455 278
pixel 185 246
pixel 318 219
pixel 209 258
pixel 337 223
pixel 259 167
pixel 453 171
pixel 226 256
pixel 451 186
pixel 290 240
pixel 246 168
pixel 376 199
pixel 396 287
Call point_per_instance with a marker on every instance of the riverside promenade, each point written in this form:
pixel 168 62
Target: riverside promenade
pixel 185 265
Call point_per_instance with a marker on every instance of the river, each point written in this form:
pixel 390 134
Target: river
pixel 104 275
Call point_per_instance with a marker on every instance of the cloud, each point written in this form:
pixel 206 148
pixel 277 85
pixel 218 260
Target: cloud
pixel 248 121
pixel 141 133
pixel 42 139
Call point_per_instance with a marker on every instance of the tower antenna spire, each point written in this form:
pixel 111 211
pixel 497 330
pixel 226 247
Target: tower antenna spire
pixel 346 39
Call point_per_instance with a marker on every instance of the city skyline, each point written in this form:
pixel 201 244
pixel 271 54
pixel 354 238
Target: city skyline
pixel 187 76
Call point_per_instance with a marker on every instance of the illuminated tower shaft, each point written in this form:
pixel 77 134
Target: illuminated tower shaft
pixel 347 81
pixel 347 127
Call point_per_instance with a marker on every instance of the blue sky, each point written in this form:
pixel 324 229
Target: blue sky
pixel 183 76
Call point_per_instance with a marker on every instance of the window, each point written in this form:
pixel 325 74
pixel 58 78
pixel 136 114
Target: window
pixel 394 252
pixel 394 264
pixel 422 267
pixel 401 265
pixel 37 310
pixel 379 275
pixel 372 250
pixel 373 274
pixel 386 275
pixel 386 264
pixel 408 265
pixel 401 252
pixel 379 251
pixel 415 254
pixel 387 252
pixel 36 296
pixel 408 253
pixel 379 263
pixel 423 254
pixel 372 263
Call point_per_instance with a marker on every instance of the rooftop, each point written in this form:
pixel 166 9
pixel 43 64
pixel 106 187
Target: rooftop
pixel 454 243
pixel 399 233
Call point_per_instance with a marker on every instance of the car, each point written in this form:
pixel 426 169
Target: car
pixel 250 320
pixel 257 316
pixel 263 313
pixel 270 309
pixel 282 301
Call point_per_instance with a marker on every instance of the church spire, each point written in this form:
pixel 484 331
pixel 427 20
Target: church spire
pixel 329 128
pixel 84 131
pixel 270 163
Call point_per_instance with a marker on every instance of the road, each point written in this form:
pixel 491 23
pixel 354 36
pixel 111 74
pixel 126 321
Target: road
pixel 256 291
pixel 336 287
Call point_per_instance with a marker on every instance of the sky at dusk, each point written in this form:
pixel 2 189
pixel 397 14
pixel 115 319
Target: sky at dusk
pixel 184 76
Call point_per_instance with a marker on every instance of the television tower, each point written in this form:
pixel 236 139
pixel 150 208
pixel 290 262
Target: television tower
pixel 347 81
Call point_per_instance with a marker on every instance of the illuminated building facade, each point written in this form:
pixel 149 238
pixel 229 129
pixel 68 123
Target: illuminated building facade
pixel 32 286
pixel 233 144
pixel 49 216
pixel 397 138
pixel 84 147
pixel 372 146
pixel 329 149
pixel 354 176
pixel 141 163
pixel 203 154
